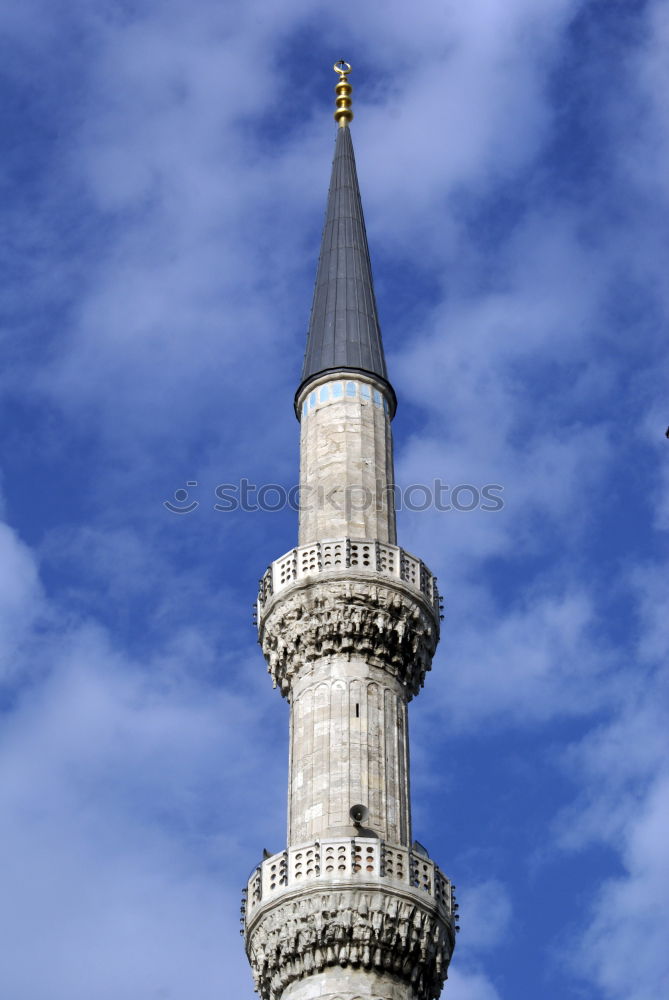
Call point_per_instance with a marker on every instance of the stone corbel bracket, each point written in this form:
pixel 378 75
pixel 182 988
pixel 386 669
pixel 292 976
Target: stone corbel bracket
pixel 388 623
pixel 364 927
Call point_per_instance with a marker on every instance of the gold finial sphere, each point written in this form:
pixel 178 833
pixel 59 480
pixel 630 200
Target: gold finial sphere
pixel 343 90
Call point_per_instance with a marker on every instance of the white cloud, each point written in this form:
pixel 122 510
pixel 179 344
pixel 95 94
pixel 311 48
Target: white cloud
pixel 622 942
pixel 20 599
pixel 469 985
pixel 124 854
pixel 129 799
pixel 486 915
pixel 621 767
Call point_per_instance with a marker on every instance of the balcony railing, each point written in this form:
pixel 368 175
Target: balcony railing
pixel 347 860
pixel 348 553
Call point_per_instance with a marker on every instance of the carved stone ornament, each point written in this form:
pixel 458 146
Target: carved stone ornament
pixel 388 626
pixel 357 928
pixel 377 993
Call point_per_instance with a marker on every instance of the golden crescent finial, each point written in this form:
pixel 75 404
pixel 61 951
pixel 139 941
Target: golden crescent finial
pixel 342 67
pixel 343 90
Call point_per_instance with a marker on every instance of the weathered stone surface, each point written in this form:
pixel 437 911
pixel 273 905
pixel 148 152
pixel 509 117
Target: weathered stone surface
pixel 366 558
pixel 348 862
pixel 385 623
pixel 337 983
pixel 348 744
pixel 346 463
pixel 371 929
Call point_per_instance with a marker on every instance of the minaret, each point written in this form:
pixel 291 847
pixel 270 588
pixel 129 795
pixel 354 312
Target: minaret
pixel 352 909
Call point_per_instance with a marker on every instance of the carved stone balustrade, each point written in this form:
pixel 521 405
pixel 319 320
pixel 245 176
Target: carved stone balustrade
pixel 348 859
pixel 358 903
pixel 348 553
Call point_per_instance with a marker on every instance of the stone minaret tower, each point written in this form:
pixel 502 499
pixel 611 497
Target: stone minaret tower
pixel 353 908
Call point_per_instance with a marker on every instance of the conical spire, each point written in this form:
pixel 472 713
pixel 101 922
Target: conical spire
pixel 344 332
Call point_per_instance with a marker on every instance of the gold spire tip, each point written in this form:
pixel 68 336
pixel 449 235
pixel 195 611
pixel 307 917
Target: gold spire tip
pixel 343 90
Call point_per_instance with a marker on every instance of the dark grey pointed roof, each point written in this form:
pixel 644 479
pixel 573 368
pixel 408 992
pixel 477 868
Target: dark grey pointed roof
pixel 344 332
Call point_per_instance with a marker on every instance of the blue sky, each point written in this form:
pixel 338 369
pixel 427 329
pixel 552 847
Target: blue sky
pixel 163 187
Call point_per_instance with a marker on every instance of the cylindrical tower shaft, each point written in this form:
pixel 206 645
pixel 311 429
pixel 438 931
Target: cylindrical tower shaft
pixel 346 460
pixel 348 746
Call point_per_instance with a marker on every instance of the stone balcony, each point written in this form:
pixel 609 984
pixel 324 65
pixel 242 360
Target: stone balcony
pixel 351 598
pixel 375 558
pixel 360 862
